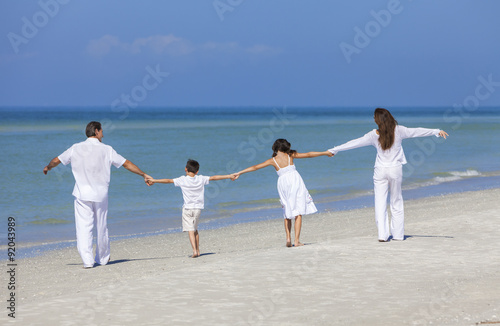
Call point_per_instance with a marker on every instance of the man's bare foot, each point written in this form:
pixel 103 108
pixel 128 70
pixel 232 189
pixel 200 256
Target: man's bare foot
pixel 298 244
pixel 288 243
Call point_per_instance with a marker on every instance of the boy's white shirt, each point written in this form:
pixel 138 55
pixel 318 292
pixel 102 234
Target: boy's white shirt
pixel 193 190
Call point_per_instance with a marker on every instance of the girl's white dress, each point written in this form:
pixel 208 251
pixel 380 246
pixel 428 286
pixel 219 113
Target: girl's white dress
pixel 294 197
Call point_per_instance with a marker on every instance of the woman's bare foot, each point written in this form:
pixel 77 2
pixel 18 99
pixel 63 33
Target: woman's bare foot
pixel 288 242
pixel 298 244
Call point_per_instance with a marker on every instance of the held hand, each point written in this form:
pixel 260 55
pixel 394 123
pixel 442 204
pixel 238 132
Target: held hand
pixel 234 176
pixel 329 154
pixel 147 177
pixel 149 181
pixel 443 134
pixel 45 170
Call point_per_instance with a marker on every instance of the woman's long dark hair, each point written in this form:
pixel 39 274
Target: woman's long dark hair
pixel 282 145
pixel 386 127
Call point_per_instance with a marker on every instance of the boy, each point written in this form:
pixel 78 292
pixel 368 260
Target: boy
pixel 193 189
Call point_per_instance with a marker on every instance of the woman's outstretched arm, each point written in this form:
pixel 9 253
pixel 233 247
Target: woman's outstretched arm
pixel 443 134
pixel 421 132
pixel 366 140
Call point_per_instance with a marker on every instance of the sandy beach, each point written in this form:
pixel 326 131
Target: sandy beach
pixel 446 272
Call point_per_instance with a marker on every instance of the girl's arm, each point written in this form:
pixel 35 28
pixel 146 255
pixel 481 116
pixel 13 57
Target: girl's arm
pixel 366 140
pixel 256 167
pixel 312 154
pixel 222 177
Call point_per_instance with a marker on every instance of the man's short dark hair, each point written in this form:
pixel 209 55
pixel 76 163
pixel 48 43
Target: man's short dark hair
pixel 92 127
pixel 192 166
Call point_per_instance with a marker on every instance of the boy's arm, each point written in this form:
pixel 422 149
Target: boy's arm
pixel 152 181
pixel 164 180
pixel 312 154
pixel 220 177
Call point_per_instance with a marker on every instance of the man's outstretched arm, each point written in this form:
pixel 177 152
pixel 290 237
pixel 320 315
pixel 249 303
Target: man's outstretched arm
pixel 135 169
pixel 55 162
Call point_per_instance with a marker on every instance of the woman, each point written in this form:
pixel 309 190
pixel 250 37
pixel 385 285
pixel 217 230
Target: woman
pixel 388 172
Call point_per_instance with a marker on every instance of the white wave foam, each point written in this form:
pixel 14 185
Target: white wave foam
pixel 446 177
pixel 455 176
pixel 468 173
pixel 438 180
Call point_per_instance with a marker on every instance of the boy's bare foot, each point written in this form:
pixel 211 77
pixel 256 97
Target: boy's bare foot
pixel 298 244
pixel 288 243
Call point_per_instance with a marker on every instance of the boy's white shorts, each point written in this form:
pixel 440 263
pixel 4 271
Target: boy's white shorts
pixel 190 218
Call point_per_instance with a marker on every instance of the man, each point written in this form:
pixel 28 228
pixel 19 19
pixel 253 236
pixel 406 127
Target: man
pixel 91 162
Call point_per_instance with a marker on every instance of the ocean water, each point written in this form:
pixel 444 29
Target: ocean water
pixel 226 140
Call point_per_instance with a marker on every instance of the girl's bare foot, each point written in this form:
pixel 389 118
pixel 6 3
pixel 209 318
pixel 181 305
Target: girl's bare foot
pixel 298 244
pixel 288 242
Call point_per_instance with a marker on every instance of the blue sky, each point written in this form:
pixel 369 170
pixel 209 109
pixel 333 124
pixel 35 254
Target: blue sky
pixel 248 53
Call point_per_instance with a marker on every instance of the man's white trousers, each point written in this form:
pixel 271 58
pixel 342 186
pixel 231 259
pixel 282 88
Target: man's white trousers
pixel 385 180
pixel 88 214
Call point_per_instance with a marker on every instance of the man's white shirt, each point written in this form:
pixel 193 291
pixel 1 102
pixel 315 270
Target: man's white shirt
pixel 91 163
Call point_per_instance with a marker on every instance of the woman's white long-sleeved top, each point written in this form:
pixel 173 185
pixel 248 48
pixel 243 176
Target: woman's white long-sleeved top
pixel 393 156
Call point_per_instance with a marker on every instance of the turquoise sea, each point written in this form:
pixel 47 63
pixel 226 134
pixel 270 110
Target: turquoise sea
pixel 225 140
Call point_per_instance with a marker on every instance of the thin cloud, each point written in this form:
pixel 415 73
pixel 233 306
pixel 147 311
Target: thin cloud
pixel 159 44
pixel 172 45
pixel 103 46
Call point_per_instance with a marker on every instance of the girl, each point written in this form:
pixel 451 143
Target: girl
pixel 294 197
pixel 388 172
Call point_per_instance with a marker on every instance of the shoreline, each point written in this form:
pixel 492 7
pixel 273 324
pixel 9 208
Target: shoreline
pixel 444 272
pixel 324 204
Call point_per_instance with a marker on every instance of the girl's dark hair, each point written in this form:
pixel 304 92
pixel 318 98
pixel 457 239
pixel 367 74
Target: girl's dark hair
pixel 386 127
pixel 92 126
pixel 282 145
